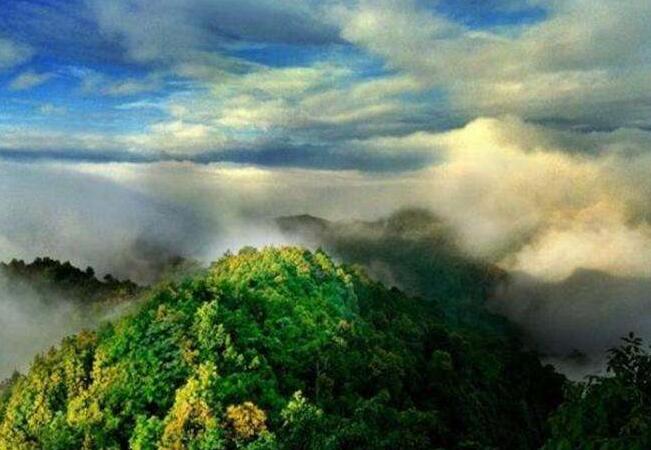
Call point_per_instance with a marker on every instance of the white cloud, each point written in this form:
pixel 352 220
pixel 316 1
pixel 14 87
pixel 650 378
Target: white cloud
pixel 42 140
pixel 240 112
pixel 52 109
pixel 301 102
pixel 537 200
pixel 12 54
pixel 195 210
pixel 94 82
pixel 534 199
pixel 585 60
pixel 131 86
pixel 176 137
pixel 187 33
pixel 28 80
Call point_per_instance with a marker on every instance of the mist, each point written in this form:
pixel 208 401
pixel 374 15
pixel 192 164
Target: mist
pixel 545 206
pixel 32 321
pixel 572 322
pixel 575 321
pixel 53 210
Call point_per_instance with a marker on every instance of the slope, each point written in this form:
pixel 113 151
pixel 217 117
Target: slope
pixel 281 348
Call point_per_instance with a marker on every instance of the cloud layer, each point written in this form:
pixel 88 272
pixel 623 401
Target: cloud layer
pixel 224 81
pixel 533 199
pixel 581 63
pixel 546 205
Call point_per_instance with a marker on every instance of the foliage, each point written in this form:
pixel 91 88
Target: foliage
pixel 51 279
pixel 419 253
pixel 281 349
pixel 610 412
pixel 246 420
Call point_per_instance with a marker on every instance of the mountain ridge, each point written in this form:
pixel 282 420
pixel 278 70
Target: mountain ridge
pixel 270 349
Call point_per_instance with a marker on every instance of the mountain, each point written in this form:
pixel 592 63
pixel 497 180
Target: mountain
pixel 305 223
pixel 608 412
pixel 50 279
pixel 415 251
pixel 45 300
pixel 281 348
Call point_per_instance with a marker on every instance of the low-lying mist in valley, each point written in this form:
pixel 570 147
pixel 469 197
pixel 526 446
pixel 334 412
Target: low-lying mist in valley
pixel 559 218
pixel 44 301
pixel 572 322
pixel 576 320
pixel 30 324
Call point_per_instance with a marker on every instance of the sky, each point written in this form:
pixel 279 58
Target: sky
pixel 182 126
pixel 284 83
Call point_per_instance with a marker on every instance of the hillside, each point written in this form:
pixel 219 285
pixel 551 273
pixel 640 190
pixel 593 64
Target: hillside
pixel 50 279
pixel 415 251
pixel 45 300
pixel 281 348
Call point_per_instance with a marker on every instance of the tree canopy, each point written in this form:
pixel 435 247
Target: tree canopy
pixel 281 349
pixel 611 412
pixel 51 278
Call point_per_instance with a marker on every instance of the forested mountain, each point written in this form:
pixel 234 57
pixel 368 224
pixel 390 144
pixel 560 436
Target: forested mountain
pixel 415 251
pixel 50 279
pixel 45 300
pixel 282 348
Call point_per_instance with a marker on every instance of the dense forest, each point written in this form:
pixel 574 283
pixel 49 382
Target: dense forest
pixel 417 252
pixel 50 279
pixel 282 348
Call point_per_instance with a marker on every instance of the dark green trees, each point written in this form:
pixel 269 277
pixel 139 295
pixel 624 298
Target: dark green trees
pixel 281 349
pixel 50 279
pixel 610 412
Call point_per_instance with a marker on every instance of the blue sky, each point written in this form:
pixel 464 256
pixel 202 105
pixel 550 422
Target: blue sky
pixel 220 80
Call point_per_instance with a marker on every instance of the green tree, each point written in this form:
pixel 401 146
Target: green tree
pixel 609 412
pixel 281 348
